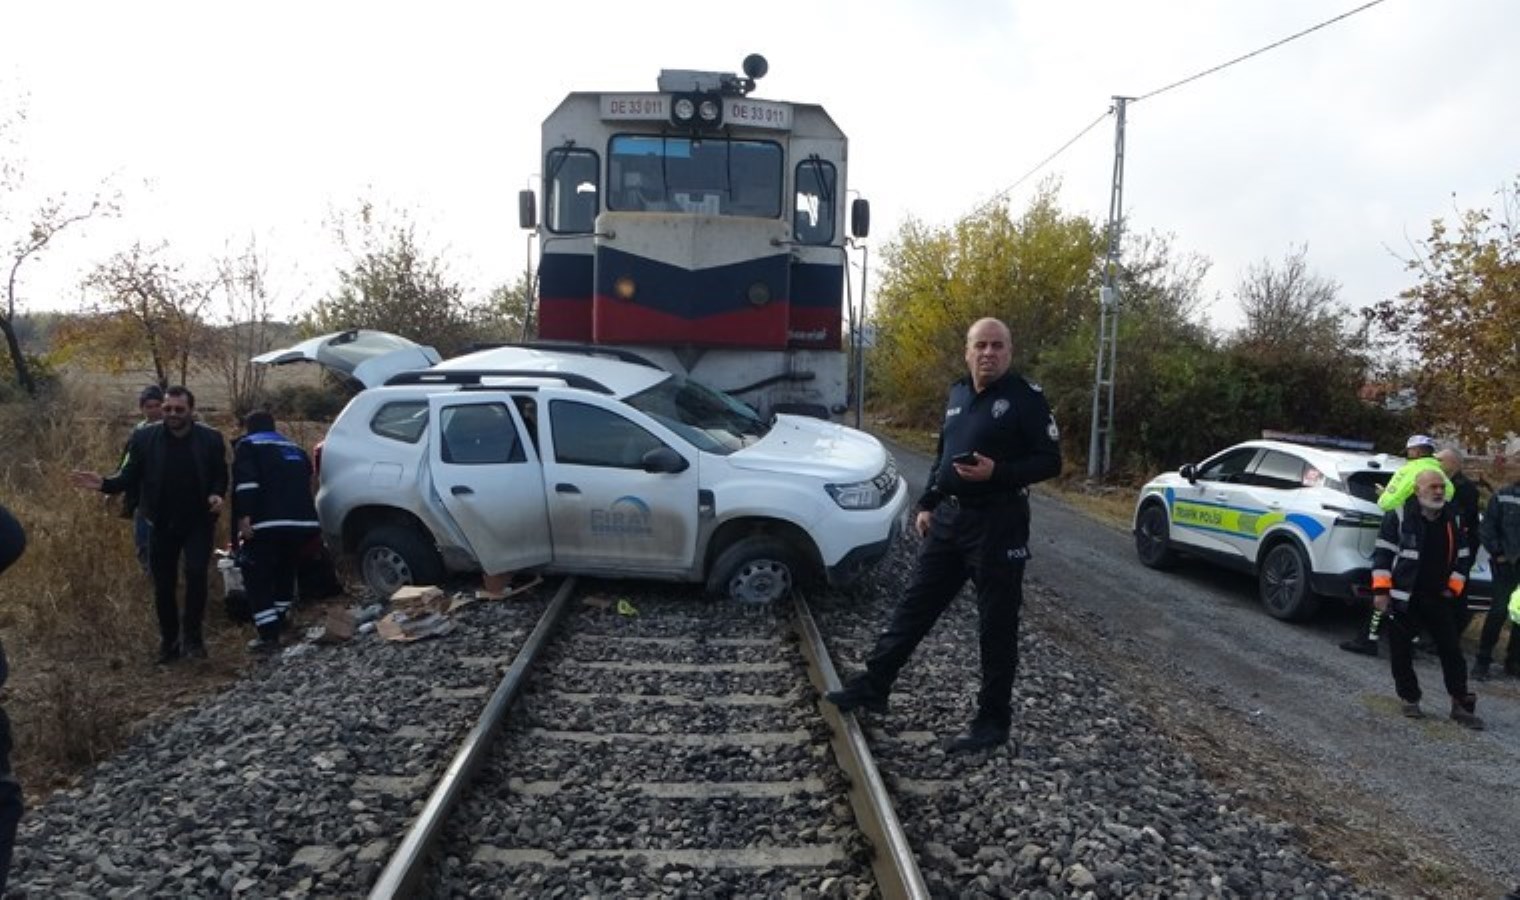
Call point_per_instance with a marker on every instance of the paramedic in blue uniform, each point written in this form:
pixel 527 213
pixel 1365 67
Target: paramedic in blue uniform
pixel 998 438
pixel 275 516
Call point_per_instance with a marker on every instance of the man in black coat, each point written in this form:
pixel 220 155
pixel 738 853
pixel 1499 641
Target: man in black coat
pixel 12 544
pixel 1419 572
pixel 179 469
pixel 998 437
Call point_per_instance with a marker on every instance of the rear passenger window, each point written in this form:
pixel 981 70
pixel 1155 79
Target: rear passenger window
pixel 479 434
pixel 403 420
pixel 1279 470
pixel 591 436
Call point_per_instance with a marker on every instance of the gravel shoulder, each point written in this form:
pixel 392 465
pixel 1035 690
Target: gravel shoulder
pixel 1303 731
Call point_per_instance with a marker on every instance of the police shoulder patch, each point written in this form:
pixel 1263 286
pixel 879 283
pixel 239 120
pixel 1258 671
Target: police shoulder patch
pixel 1035 386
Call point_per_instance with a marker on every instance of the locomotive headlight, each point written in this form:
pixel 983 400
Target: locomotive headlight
pixel 758 294
pixel 708 111
pixel 624 287
pixel 684 109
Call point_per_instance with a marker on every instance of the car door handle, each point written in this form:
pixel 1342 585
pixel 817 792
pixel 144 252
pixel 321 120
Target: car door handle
pixel 563 488
pixel 459 490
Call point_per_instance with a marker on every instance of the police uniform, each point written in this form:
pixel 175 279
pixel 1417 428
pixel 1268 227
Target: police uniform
pixel 978 530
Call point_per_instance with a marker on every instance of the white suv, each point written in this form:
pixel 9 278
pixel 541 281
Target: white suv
pixel 1302 518
pixel 565 460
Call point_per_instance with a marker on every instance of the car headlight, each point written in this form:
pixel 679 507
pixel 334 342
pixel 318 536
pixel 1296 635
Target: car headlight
pixel 871 494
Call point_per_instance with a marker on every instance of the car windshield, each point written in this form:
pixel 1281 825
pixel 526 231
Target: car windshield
pixel 711 420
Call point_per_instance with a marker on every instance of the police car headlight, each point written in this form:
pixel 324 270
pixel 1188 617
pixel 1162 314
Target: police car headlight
pixel 860 495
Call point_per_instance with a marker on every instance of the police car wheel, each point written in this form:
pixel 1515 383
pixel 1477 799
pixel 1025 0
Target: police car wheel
pixel 755 570
pixel 1153 538
pixel 1284 579
pixel 394 556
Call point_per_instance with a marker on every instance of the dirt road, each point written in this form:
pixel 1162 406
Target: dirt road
pixel 1313 734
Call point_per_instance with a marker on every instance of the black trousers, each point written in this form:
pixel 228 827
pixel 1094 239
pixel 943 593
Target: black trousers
pixel 1437 615
pixel 165 547
pixel 1498 614
pixel 990 546
pixel 269 574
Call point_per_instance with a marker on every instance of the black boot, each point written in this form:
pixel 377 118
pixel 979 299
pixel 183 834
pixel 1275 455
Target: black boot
pixel 983 734
pixel 1360 644
pixel 860 693
pixel 168 650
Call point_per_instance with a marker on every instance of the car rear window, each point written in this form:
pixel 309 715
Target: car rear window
pixel 401 420
pixel 1367 485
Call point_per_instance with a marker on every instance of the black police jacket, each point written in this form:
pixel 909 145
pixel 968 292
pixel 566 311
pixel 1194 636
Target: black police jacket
pixel 1010 422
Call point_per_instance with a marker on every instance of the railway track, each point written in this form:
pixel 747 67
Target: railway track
pixel 676 748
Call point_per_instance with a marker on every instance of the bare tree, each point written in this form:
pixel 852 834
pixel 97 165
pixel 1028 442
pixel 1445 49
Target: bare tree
pixel 1289 309
pixel 158 305
pixel 242 281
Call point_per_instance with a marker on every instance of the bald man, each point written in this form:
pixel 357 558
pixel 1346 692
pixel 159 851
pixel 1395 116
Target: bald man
pixel 998 437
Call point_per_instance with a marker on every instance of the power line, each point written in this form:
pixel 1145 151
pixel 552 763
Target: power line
pixel 1042 163
pixel 1257 52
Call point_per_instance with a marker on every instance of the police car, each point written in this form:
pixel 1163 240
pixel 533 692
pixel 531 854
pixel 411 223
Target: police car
pixel 1298 512
pixel 580 461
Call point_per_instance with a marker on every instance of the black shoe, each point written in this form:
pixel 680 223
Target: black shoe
pixel 981 736
pixel 1480 670
pixel 858 694
pixel 168 652
pixel 1360 645
pixel 193 650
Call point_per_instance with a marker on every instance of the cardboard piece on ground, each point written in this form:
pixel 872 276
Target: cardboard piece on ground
pixel 597 601
pixel 399 626
pixel 415 600
pixel 339 626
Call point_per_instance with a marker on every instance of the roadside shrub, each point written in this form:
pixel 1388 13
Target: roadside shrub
pixel 312 403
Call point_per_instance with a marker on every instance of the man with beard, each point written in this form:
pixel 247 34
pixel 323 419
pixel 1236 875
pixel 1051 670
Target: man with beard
pixel 1419 570
pixel 179 468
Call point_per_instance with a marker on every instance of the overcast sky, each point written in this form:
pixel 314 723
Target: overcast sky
pixel 220 120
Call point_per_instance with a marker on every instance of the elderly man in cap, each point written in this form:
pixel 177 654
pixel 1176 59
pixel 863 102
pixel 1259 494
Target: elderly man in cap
pixel 1420 450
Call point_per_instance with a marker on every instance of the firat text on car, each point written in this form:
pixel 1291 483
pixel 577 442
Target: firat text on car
pixel 587 461
pixel 1298 511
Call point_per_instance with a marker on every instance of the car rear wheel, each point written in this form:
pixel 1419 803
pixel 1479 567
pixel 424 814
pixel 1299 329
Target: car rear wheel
pixel 755 570
pixel 1153 543
pixel 1284 578
pixel 394 556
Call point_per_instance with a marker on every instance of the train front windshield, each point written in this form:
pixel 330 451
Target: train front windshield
pixel 707 176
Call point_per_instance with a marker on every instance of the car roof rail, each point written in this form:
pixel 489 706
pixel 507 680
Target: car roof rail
pixel 474 376
pixel 617 353
pixel 1317 440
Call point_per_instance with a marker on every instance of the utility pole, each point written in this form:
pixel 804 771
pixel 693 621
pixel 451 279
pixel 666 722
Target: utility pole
pixel 1100 449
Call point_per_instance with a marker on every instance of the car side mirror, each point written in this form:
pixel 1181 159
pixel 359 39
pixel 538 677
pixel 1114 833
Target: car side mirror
pixel 1190 472
pixel 665 461
pixel 527 210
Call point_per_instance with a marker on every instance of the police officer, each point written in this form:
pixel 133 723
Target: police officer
pixel 273 510
pixel 998 437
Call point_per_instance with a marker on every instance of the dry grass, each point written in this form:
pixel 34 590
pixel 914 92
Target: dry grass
pixel 76 613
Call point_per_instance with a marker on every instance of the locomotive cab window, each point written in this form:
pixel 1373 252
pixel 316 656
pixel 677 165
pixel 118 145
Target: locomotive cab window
pixel 813 214
pixel 706 176
pixel 570 191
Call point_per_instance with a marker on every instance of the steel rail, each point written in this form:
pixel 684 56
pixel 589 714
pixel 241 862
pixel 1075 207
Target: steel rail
pixel 893 863
pixel 404 871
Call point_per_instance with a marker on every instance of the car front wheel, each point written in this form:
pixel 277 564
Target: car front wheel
pixel 1284 578
pixel 1153 543
pixel 394 556
pixel 755 570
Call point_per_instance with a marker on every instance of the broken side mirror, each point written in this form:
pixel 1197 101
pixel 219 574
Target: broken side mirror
pixel 860 217
pixel 665 461
pixel 527 209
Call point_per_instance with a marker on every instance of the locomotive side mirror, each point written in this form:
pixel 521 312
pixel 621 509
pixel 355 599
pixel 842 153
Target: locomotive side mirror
pixel 527 210
pixel 860 217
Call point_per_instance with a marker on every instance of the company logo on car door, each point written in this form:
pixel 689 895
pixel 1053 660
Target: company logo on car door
pixel 627 516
